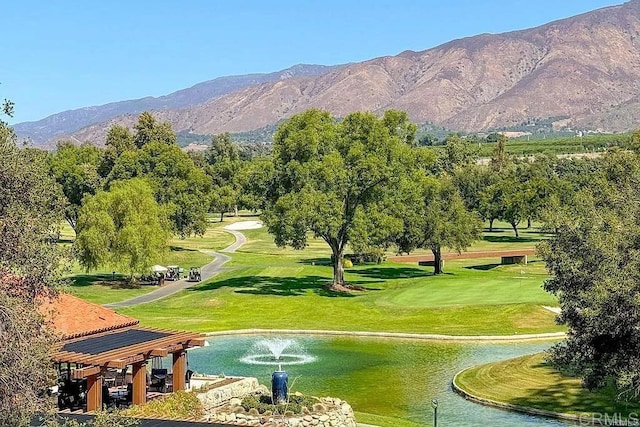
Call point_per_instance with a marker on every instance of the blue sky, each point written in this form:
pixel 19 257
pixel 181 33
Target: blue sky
pixel 59 55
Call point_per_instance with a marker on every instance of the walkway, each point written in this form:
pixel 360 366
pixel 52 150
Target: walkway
pixel 240 240
pixel 170 288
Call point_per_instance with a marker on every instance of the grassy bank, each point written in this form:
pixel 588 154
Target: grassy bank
pixel 530 382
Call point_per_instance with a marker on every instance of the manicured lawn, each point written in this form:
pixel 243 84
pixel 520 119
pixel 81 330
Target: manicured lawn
pixel 269 287
pixel 529 381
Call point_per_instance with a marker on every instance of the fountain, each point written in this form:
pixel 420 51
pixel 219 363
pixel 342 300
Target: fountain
pixel 277 352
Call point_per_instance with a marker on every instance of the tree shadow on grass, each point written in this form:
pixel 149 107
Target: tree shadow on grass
pixel 280 286
pixel 509 239
pixel 104 279
pixel 389 273
pixel 316 261
pixel 482 267
pixel 181 249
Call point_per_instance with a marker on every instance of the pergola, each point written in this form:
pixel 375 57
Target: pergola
pixel 105 339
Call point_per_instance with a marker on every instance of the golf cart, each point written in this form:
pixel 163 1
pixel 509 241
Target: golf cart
pixel 194 274
pixel 173 273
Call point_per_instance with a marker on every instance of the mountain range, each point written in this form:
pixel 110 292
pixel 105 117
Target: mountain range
pixel 582 73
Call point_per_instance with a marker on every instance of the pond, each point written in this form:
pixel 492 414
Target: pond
pixel 388 377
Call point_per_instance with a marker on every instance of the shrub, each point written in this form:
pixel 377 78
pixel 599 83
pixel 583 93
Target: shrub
pixel 365 257
pixel 263 403
pixel 348 263
pixel 180 404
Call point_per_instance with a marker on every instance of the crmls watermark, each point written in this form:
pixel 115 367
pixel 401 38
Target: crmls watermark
pixel 609 419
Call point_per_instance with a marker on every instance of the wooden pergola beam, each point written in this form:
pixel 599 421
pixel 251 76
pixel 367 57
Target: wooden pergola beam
pixel 85 372
pixel 159 352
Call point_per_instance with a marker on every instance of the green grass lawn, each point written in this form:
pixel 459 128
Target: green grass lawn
pixel 268 287
pixel 529 381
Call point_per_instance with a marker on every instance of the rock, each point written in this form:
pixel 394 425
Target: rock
pixel 307 418
pixel 253 411
pixel 235 401
pixel 323 418
pixel 319 408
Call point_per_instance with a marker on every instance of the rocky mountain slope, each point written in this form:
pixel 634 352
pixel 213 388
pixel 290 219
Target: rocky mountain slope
pixel 581 72
pixel 71 121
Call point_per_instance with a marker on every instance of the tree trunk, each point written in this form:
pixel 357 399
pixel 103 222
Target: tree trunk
pixel 528 223
pixel 338 269
pixel 515 228
pixel 437 260
pixel 221 216
pixel 235 210
pixel 491 224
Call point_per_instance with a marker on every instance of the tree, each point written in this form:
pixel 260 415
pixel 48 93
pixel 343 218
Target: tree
pixel 595 267
pixel 594 261
pixel 149 130
pixel 458 152
pixel 223 166
pixel 122 228
pixel 437 218
pixel 30 262
pixel 499 158
pixel 76 170
pixel 177 183
pixel 254 180
pixel 224 199
pixel 326 172
pixel 119 139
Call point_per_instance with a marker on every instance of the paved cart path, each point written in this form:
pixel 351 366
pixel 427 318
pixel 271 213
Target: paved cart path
pixel 170 288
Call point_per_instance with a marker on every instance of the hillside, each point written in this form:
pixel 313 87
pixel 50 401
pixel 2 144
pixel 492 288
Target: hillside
pixel 581 72
pixel 67 122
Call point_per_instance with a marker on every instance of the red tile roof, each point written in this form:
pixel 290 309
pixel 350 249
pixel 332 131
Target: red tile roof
pixel 72 317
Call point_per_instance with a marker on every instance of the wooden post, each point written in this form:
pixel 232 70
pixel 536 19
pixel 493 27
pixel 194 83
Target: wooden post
pixel 139 383
pixel 179 370
pixel 94 393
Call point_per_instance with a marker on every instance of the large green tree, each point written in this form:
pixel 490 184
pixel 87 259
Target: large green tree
pixel 223 166
pixel 31 209
pixel 325 173
pixel 123 228
pixel 436 218
pixel 594 260
pixel 177 183
pixel 76 170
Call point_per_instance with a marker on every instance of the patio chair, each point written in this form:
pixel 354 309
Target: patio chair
pixel 159 380
pixel 107 400
pixel 121 377
pixel 187 378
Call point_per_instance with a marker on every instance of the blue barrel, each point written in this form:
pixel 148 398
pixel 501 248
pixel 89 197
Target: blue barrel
pixel 279 386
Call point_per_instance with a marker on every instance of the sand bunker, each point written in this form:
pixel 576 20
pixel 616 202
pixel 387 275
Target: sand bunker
pixel 244 225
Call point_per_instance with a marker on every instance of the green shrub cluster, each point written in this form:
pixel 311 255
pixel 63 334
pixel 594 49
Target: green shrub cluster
pixel 263 403
pixel 366 257
pixel 181 404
